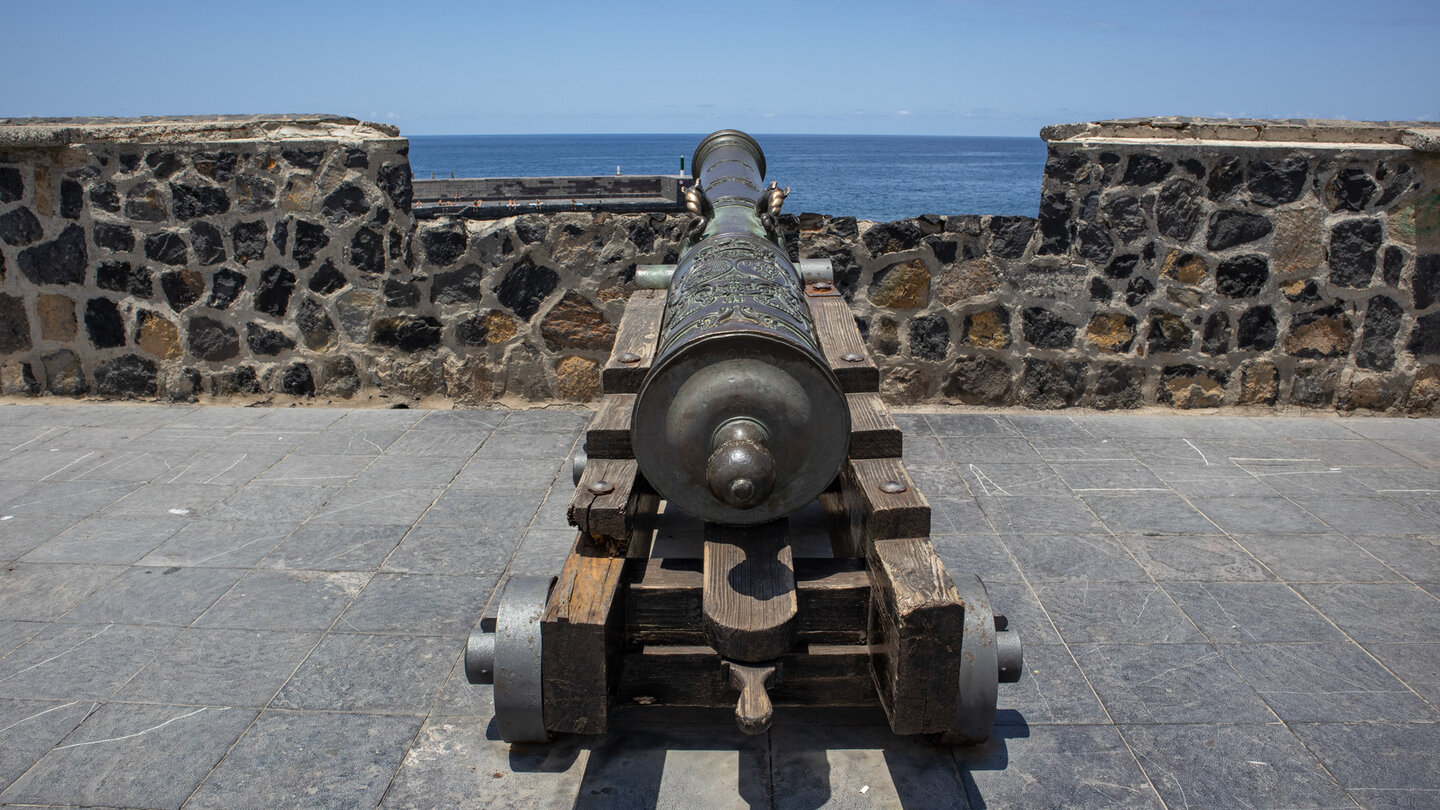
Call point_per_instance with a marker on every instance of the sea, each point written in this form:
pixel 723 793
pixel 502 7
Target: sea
pixel 875 177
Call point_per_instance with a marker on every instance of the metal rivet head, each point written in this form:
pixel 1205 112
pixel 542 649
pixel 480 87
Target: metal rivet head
pixel 892 487
pixel 822 286
pixel 627 357
pixel 601 488
pixel 852 357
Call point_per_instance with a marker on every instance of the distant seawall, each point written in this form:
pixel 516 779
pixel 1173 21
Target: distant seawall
pixel 1175 262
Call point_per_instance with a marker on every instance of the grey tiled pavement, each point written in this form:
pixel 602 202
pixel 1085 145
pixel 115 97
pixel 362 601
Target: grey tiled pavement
pixel 245 607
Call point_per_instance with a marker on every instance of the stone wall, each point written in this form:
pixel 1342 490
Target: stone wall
pixel 1174 262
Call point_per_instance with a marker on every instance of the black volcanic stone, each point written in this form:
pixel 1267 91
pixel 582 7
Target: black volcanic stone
pixel 1275 182
pixel 103 323
pixel 945 250
pixel 845 227
pixel 525 286
pixel 1353 247
pixel 1225 177
pixel 1138 290
pixel 20 227
pixel 408 334
pixel 115 238
pixel 208 244
pixel 211 340
pixel 382 216
pixel 225 286
pixel 1095 242
pixel 129 375
pixel 1309 293
pixel 367 251
pixel 303 158
pixel 1352 189
pixel 1425 336
pixel 105 197
pixel 1427 280
pixel 1070 169
pixel 345 202
pixel 1054 223
pixel 60 261
pixel 1090 207
pixel 12 185
pixel 471 331
pixel 1216 337
pixel 1231 228
pixel 356 159
pixel 164 164
pixel 167 248
pixel 190 202
pixel 218 166
pixel 266 342
pixel 1377 342
pixel 1127 219
pixel 531 230
pixel 1046 330
pixel 309 239
pixel 145 204
pixel 272 296
pixel 1099 290
pixel 1010 235
pixel 1177 209
pixel 892 237
pixel 14 325
pixel 315 325
pixel 242 380
pixel 249 240
pixel 123 278
pixel 394 180
pixel 1169 333
pixel 1392 265
pixel 1242 276
pixel 443 245
pixel 129 163
pixel 1303 319
pixel 1195 168
pixel 72 199
pixel 281 235
pixel 929 337
pixel 1144 170
pixel 1052 384
pixel 401 294
pixel 298 381
pixel 641 235
pixel 1118 386
pixel 327 279
pixel 182 288
pixel 1257 329
pixel 1122 266
pixel 458 286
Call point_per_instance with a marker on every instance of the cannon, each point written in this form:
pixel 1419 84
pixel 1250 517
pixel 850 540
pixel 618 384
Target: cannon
pixel 741 421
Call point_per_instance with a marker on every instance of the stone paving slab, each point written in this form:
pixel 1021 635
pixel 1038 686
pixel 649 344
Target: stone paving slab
pixel 248 607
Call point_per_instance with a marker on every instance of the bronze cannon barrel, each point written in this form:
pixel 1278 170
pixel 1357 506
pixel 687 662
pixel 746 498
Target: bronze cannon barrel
pixel 740 420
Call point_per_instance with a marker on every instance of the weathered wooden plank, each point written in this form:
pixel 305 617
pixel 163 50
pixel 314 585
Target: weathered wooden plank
pixel 663 601
pixel 916 625
pixel 609 433
pixel 749 604
pixel 877 513
pixel 639 330
pixel 604 502
pixel 873 433
pixel 819 675
pixel 583 627
pixel 839 338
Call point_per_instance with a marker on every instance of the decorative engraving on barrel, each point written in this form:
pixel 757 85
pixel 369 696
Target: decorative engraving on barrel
pixel 732 178
pixel 736 279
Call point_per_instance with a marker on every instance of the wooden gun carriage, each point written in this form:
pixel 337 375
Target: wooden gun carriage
pixel 744 399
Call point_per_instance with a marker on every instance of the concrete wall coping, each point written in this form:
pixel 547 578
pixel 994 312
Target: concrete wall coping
pixel 1423 136
pixel 52 132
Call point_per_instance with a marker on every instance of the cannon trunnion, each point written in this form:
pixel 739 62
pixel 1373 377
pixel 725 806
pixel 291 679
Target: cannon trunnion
pixel 748 536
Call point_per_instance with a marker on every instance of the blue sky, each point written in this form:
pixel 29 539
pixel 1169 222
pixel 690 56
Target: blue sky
pixel 965 67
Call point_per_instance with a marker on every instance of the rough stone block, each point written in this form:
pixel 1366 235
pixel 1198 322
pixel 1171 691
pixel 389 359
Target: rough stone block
pixel 56 314
pixel 904 285
pixel 15 324
pixel 981 380
pixel 970 279
pixel 1111 332
pixel 1189 386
